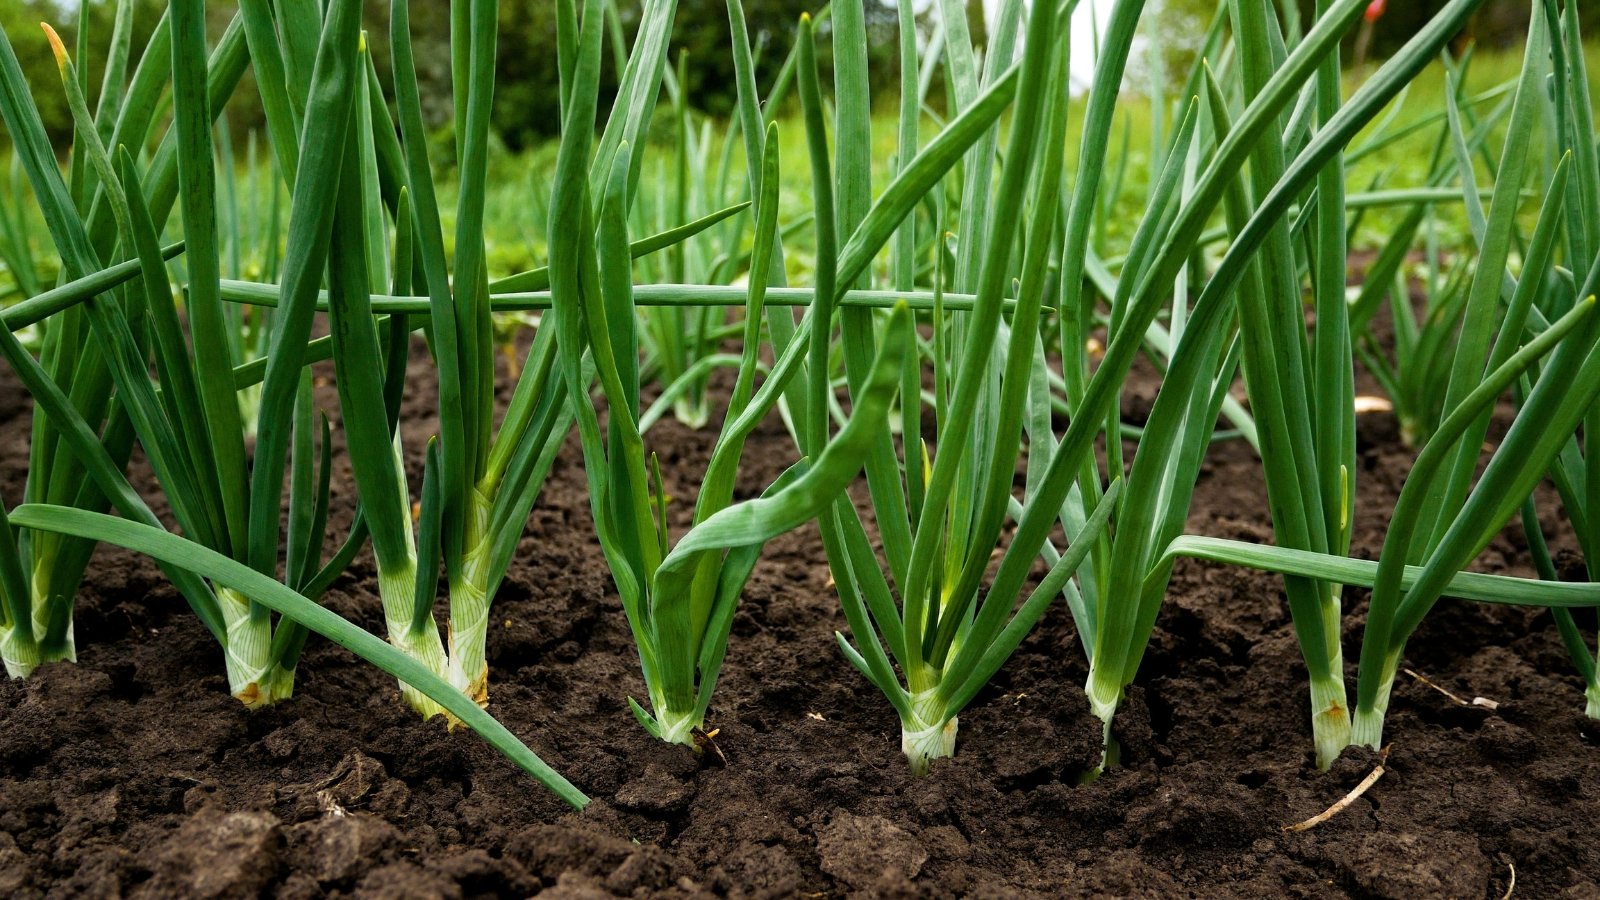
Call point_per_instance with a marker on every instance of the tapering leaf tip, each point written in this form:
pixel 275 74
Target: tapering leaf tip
pixel 56 47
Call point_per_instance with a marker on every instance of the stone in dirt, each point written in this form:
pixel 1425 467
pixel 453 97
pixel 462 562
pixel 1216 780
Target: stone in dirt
pixel 219 855
pixel 863 851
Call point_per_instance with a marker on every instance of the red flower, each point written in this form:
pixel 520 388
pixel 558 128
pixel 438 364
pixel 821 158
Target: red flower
pixel 1375 9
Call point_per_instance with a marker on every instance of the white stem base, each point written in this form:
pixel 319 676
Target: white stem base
pixel 468 665
pixel 20 655
pixel 691 414
pixel 1366 729
pixel 1104 697
pixel 423 645
pixel 677 727
pixel 928 734
pixel 923 744
pixel 248 651
pixel 1330 721
pixel 1592 707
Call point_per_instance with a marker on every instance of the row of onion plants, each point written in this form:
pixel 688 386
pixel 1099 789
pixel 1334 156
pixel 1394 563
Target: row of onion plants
pixel 963 341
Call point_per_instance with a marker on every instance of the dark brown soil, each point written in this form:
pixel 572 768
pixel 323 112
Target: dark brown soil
pixel 134 773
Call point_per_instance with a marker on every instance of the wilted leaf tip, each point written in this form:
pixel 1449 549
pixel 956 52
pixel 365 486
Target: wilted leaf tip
pixel 56 46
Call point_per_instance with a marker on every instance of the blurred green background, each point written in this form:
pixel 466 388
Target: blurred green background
pixel 525 108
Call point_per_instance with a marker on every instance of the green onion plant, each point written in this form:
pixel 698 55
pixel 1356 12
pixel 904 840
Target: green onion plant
pixel 939 508
pixel 1569 110
pixel 974 313
pixel 46 568
pixel 941 636
pixel 1448 525
pixel 480 481
pixel 187 417
pixel 1536 328
pixel 1299 384
pixel 679 598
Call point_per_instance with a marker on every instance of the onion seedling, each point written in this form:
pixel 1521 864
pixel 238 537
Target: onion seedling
pixel 1415 373
pixel 1317 622
pixel 1301 386
pixel 1567 111
pixel 1574 469
pixel 479 483
pixel 481 480
pixel 936 510
pixel 1444 528
pixel 190 557
pixel 1442 520
pixel 1403 594
pixel 47 566
pixel 26 623
pixel 948 633
pixel 680 598
pixel 186 563
pixel 188 417
pixel 190 426
pixel 1262 307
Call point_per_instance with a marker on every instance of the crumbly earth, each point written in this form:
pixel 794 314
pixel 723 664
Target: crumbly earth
pixel 134 773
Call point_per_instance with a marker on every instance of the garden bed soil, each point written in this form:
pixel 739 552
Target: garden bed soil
pixel 134 773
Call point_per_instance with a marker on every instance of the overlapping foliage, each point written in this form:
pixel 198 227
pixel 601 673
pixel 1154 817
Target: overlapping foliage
pixel 968 321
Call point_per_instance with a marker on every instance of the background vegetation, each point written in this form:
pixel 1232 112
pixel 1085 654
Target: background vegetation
pixel 525 109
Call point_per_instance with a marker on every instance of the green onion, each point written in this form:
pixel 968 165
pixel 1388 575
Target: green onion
pixel 188 423
pixel 187 413
pixel 1573 470
pixel 945 641
pixel 679 599
pixel 982 256
pixel 1445 520
pixel 934 520
pixel 479 483
pixel 45 567
pixel 1442 519
pixel 1415 378
pixel 1316 615
pixel 1302 402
